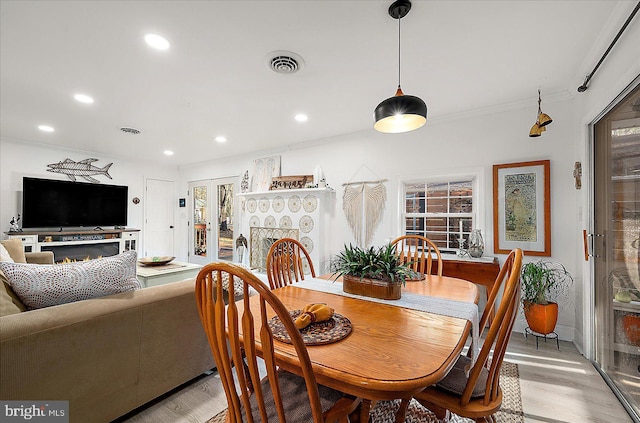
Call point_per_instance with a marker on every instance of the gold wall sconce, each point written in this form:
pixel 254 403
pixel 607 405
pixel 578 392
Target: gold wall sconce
pixel 542 120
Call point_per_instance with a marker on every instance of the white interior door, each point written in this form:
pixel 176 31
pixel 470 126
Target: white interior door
pixel 159 218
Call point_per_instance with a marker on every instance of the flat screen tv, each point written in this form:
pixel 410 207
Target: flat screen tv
pixel 50 203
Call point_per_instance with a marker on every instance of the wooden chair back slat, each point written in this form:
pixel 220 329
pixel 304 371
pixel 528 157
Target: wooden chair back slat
pixel 222 325
pixel 419 251
pixel 499 332
pixel 285 262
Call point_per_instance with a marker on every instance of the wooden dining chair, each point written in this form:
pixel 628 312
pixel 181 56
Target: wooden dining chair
pixel 474 391
pixel 280 396
pixel 285 261
pixel 418 250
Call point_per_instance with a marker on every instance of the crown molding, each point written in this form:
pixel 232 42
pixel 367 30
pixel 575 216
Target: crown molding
pixel 554 97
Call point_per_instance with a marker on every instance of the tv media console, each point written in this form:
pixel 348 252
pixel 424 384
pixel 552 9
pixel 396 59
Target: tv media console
pixel 79 244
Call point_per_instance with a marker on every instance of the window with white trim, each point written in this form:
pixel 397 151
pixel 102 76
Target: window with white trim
pixel 440 210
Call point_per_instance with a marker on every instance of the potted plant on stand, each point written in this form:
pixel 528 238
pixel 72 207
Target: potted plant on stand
pixel 544 283
pixel 374 272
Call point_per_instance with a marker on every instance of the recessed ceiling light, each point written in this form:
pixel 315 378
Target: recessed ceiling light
pixel 220 138
pixel 83 98
pixel 301 117
pixel 46 128
pixel 156 41
pixel 168 153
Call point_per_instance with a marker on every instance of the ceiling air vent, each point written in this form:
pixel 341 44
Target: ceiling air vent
pixel 285 62
pixel 132 131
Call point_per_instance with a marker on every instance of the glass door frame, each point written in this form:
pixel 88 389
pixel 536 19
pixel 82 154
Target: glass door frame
pixel 598 257
pixel 212 219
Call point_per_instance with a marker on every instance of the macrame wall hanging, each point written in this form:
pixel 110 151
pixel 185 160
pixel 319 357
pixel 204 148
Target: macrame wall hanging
pixel 363 203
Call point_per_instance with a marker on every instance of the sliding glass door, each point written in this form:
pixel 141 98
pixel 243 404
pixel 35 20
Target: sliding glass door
pixel 616 251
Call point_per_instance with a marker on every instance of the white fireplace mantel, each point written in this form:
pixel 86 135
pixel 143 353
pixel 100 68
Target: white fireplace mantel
pixel 306 210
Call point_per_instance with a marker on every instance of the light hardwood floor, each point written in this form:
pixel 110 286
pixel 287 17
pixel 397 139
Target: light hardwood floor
pixel 557 387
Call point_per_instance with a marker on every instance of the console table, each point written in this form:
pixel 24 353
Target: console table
pixel 77 244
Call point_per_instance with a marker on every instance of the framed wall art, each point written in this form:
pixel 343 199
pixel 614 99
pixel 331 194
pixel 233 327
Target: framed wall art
pixel 263 170
pixel 521 208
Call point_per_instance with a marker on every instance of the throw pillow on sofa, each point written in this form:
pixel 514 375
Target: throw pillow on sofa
pixel 40 286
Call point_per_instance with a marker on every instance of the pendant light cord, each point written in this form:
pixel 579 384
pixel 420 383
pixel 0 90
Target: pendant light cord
pixel 399 19
pixel 539 101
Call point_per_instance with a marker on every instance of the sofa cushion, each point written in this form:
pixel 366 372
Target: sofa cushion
pixel 15 249
pixel 40 286
pixel 9 301
pixel 4 254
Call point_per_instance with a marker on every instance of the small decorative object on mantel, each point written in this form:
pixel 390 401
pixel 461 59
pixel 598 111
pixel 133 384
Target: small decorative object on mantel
pixel 318 178
pixel 83 169
pixel 244 185
pixel 290 182
pixel 14 225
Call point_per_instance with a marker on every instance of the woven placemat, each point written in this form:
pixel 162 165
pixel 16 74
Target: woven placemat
pixel 336 328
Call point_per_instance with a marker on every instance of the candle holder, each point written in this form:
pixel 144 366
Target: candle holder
pixel 461 252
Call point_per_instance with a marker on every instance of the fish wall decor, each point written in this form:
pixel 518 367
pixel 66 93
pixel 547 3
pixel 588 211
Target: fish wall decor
pixel 84 169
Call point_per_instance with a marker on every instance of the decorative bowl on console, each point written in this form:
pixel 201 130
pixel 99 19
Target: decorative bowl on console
pixel 155 260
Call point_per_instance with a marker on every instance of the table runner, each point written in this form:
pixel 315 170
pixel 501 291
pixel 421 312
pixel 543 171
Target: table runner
pixel 436 305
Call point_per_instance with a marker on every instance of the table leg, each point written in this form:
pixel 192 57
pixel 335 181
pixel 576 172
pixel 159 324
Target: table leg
pixel 365 407
pixel 402 411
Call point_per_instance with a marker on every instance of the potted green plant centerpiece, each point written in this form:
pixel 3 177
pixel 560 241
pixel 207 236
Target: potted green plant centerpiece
pixel 373 272
pixel 544 283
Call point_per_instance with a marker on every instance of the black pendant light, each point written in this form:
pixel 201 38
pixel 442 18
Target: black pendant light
pixel 400 113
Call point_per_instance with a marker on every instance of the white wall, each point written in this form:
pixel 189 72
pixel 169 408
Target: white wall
pixel 18 159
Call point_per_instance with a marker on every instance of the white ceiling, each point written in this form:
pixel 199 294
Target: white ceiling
pixel 458 56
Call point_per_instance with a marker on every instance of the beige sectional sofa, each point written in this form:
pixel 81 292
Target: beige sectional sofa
pixel 106 356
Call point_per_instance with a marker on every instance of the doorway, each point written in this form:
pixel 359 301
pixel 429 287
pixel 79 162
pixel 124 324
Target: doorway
pixel 616 248
pixel 159 218
pixel 211 227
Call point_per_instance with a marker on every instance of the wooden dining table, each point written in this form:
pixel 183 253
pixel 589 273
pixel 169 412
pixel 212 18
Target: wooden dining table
pixel 392 352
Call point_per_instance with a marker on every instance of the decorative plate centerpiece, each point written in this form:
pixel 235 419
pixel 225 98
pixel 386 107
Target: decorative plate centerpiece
pixel 336 328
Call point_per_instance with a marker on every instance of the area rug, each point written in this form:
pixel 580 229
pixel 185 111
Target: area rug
pixel 385 411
